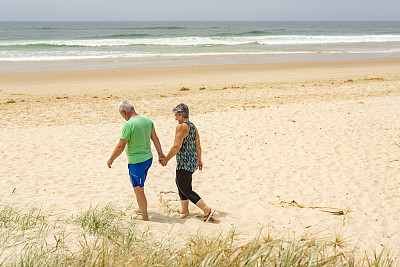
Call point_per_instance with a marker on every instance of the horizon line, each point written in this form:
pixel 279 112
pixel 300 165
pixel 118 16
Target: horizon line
pixel 378 20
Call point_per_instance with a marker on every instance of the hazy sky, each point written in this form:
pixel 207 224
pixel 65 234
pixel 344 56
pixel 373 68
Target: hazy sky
pixel 176 10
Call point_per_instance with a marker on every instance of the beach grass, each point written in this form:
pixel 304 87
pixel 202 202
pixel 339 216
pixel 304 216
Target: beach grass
pixel 110 236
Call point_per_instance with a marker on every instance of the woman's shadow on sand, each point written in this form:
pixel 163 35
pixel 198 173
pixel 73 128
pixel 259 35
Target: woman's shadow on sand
pixel 176 218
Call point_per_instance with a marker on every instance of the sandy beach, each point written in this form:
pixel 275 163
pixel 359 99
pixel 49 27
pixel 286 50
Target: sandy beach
pixel 309 148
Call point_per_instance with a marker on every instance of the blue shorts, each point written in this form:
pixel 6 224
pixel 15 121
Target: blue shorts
pixel 138 172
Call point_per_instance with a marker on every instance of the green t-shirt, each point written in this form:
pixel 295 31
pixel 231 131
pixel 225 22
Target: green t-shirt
pixel 138 132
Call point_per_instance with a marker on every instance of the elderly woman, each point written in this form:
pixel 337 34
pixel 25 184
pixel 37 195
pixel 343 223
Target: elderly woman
pixel 187 149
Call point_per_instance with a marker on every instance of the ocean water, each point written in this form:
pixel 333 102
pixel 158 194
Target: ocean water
pixel 57 41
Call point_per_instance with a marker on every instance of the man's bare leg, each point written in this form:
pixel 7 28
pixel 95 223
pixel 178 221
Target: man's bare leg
pixel 142 202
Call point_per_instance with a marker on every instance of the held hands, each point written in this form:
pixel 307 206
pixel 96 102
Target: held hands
pixel 163 162
pixel 160 156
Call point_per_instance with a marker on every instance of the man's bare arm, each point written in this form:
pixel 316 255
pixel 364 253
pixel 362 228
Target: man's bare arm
pixel 117 151
pixel 157 143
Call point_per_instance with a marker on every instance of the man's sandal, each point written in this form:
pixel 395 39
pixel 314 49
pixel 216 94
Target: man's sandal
pixel 209 215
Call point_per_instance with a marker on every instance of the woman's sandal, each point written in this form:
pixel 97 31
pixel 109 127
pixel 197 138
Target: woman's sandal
pixel 209 215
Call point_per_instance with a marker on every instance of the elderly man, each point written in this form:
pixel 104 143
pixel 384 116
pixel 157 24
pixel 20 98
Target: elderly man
pixel 135 139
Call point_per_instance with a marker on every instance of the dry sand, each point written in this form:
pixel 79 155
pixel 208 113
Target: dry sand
pixel 306 147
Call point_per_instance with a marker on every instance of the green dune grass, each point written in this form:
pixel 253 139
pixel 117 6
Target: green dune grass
pixel 110 236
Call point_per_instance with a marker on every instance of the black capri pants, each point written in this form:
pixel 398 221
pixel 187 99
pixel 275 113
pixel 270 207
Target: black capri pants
pixel 184 183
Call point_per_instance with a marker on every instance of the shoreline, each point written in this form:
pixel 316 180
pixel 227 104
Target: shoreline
pixel 166 71
pixel 123 63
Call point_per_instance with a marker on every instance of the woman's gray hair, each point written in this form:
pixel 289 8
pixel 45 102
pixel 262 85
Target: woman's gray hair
pixel 181 109
pixel 126 105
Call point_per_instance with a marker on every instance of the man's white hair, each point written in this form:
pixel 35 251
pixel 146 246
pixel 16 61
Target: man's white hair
pixel 126 105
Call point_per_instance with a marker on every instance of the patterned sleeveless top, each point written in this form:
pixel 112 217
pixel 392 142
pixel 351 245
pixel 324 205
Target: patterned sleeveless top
pixel 186 158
